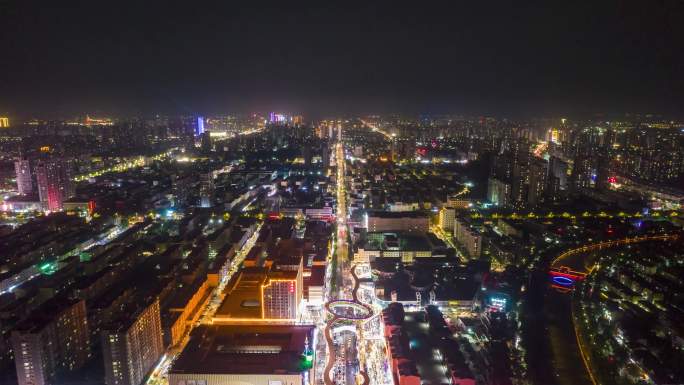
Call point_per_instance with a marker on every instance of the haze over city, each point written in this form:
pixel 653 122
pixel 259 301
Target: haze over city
pixel 341 194
pixel 497 58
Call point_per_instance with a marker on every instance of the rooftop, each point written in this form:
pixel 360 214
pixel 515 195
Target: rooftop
pixel 45 314
pixel 245 349
pixel 399 241
pixel 243 298
pixel 396 214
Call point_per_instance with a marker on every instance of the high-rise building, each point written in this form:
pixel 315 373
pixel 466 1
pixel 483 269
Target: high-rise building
pixel 325 154
pixel 281 295
pixel 498 192
pixel 199 128
pixel 22 168
pixel 557 178
pixel 53 178
pixel 537 181
pixel 503 167
pixel 205 142
pixel 602 170
pixel 581 175
pixel 326 130
pixel 132 345
pixel 518 183
pixel 4 122
pixel 446 218
pixel 181 188
pixel 55 338
pixel 207 187
pixel 307 154
pixel 468 236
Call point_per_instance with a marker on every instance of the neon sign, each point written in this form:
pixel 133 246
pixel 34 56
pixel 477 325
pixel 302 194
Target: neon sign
pixel 563 281
pixel 498 303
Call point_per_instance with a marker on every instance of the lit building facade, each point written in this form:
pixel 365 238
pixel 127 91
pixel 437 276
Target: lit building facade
pixel 206 189
pixel 56 339
pixel 22 169
pixel 458 204
pixel 131 350
pixel 408 221
pixel 263 294
pixel 53 178
pixel 498 192
pixel 537 181
pixel 469 237
pixel 281 296
pixel 188 314
pixel 446 218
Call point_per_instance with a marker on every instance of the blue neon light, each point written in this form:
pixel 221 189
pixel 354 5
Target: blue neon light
pixel 200 125
pixel 563 281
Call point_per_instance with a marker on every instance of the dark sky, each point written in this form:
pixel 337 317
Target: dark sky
pixel 494 57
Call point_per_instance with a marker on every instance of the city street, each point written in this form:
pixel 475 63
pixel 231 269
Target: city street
pixel 352 352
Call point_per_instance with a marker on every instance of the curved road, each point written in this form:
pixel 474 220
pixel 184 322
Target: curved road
pixel 574 258
pixel 566 343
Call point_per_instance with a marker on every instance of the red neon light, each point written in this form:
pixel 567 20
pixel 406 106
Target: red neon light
pixel 561 288
pixel 576 276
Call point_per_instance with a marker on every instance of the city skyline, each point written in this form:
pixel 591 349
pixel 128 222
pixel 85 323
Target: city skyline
pixel 338 194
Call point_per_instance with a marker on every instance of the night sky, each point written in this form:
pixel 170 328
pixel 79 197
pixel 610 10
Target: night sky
pixel 473 57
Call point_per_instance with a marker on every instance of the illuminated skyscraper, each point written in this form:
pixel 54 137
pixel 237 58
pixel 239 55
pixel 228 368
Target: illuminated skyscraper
pixel 22 168
pixel 54 183
pixel 537 181
pixel 199 130
pixel 4 122
pixel 275 118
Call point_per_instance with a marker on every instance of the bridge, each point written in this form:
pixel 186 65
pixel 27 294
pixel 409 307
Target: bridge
pixel 346 314
pixel 359 311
